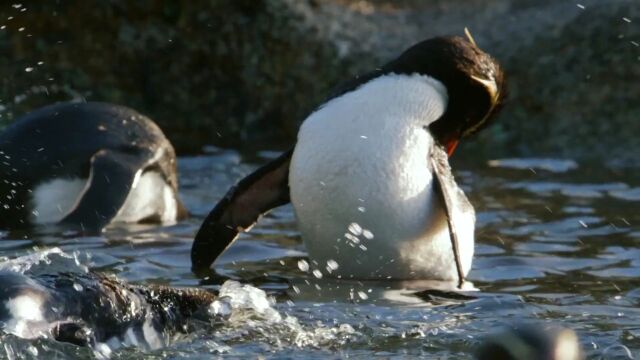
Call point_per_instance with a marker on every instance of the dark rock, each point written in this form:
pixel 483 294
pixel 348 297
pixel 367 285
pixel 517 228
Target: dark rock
pixel 245 73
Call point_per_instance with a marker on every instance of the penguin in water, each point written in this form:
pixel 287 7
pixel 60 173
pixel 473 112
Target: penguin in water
pixel 531 342
pixel 86 165
pixel 87 309
pixel 369 178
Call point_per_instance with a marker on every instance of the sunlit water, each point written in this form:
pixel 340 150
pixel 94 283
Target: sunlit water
pixel 557 242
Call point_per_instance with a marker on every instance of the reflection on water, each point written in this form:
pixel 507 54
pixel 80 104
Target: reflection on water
pixel 556 242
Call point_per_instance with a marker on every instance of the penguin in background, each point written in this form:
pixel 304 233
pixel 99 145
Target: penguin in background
pixel 84 166
pixel 369 178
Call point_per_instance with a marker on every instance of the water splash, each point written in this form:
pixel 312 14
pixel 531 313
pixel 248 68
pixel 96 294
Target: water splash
pixel 247 309
pixel 43 259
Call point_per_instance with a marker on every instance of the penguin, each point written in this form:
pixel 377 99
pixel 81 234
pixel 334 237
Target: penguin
pixel 86 165
pixel 531 342
pixel 87 309
pixel 369 178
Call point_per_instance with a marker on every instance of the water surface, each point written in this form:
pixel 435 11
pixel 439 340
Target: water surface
pixel 557 242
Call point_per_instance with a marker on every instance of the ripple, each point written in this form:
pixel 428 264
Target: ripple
pixel 547 250
pixel 552 165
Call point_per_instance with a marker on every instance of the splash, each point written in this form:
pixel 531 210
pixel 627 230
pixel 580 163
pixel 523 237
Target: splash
pixel 44 259
pixel 247 309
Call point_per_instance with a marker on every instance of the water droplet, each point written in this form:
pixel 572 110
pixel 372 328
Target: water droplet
pixel 21 29
pixel 33 350
pixel 295 289
pixel 361 209
pixel 626 19
pixel 355 229
pixel 317 273
pixel 332 264
pixel 303 265
pixel 367 234
pixel 77 286
pixel 353 239
pixel 362 295
pixel 580 6
pixel 28 69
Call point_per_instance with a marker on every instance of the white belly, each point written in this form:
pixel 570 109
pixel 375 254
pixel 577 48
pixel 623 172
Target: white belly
pixel 51 201
pixel 362 187
pixel 150 196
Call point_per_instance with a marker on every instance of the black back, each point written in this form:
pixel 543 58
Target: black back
pixel 58 141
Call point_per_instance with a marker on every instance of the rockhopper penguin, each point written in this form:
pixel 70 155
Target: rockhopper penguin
pixel 369 178
pixel 86 165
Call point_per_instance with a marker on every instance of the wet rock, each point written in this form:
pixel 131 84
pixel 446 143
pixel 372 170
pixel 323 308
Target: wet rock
pixel 244 72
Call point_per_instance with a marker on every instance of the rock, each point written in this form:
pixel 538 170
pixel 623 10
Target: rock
pixel 245 73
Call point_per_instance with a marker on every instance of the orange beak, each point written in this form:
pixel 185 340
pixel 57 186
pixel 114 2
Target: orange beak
pixel 451 146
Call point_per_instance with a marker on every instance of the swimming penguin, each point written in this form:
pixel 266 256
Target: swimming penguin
pixel 86 165
pixel 531 342
pixel 87 309
pixel 369 177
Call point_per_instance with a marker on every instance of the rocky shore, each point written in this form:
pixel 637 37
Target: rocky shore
pixel 245 73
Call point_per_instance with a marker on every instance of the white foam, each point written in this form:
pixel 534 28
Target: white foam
pixel 26 262
pixel 249 309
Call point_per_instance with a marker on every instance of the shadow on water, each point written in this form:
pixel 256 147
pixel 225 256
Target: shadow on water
pixel 557 242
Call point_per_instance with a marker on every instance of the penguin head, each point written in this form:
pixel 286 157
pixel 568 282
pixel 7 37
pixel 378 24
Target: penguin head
pixel 474 81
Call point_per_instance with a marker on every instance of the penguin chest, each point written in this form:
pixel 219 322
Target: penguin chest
pixel 363 191
pixel 369 206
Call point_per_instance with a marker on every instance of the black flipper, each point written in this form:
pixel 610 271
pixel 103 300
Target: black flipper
pixel 240 208
pixel 110 180
pixel 450 195
pixel 438 297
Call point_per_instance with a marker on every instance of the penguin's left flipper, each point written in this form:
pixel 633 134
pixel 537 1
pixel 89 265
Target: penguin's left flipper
pixel 261 191
pixel 451 196
pixel 111 178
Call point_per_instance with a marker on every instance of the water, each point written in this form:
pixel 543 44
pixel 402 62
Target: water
pixel 557 242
